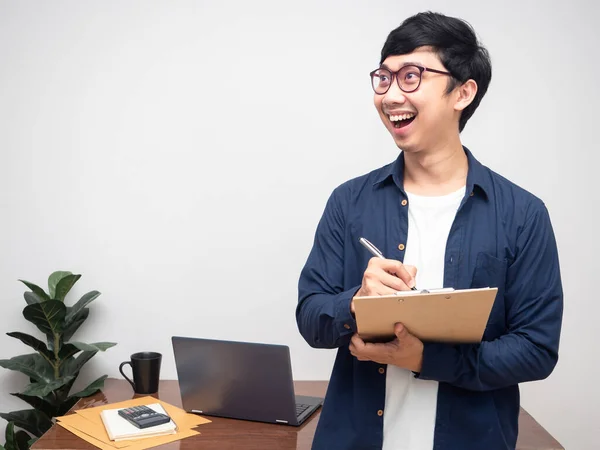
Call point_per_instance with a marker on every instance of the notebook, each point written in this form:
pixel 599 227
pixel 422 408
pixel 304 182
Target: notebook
pixel 119 429
pixel 441 315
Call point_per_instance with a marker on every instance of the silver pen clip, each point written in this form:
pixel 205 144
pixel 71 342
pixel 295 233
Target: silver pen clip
pixel 374 250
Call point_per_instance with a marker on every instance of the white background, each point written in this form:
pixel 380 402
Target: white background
pixel 179 154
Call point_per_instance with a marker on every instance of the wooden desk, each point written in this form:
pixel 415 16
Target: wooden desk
pixel 224 434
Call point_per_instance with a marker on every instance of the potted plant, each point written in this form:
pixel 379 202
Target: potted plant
pixel 55 365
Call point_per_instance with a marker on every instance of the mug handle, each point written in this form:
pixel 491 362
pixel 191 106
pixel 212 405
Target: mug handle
pixel 126 377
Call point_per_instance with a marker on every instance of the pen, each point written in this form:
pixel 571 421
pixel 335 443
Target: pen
pixel 376 252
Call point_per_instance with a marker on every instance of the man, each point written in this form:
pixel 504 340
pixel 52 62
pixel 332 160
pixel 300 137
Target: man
pixel 441 219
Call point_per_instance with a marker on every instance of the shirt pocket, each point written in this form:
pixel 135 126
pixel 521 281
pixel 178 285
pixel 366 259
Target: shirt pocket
pixel 491 272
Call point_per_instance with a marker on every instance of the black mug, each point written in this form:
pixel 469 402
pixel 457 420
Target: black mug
pixel 146 372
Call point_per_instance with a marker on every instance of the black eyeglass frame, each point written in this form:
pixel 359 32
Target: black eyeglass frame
pixel 393 75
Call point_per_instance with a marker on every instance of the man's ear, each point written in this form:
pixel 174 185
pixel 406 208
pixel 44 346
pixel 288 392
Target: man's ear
pixel 465 94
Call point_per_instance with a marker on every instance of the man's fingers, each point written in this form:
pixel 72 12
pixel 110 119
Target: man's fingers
pixel 386 277
pixel 411 269
pixel 377 282
pixel 403 273
pixel 357 348
pixel 357 342
pixel 406 274
pixel 393 283
pixel 400 331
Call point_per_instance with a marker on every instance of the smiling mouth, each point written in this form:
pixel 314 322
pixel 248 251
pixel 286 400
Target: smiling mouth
pixel 402 120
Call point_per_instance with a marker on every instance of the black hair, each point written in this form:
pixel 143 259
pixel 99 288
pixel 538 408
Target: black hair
pixel 455 43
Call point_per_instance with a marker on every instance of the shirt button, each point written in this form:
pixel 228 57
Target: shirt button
pixel 381 370
pixel 471 194
pixel 346 326
pixel 404 202
pixel 380 412
pixel 401 247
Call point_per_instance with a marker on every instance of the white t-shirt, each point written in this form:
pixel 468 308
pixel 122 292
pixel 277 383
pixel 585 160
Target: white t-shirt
pixel 411 403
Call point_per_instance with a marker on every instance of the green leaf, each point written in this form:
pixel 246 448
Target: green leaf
pixel 93 387
pixel 32 441
pixel 10 436
pixel 15 440
pixel 42 389
pixel 64 286
pixel 46 406
pixel 73 348
pixel 76 321
pixel 31 297
pixel 66 406
pixel 48 316
pixel 33 365
pixel 72 366
pixel 22 440
pixel 96 346
pixel 50 340
pixel 82 303
pixel 53 280
pixel 36 289
pixel 59 396
pixel 34 343
pixel 66 351
pixel 32 420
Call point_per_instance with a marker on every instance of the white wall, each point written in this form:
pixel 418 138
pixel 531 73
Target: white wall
pixel 179 154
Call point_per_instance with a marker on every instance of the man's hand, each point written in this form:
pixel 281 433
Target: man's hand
pixel 405 351
pixel 385 277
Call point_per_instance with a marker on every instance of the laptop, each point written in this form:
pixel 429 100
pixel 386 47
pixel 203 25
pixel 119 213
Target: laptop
pixel 239 380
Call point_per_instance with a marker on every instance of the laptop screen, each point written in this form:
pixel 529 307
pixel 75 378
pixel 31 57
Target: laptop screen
pixel 235 379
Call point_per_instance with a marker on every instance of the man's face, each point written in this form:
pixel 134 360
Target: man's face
pixel 429 114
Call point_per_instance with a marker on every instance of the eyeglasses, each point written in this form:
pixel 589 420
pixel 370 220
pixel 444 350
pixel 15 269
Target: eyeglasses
pixel 408 78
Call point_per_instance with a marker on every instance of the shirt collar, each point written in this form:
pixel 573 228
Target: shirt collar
pixel 477 176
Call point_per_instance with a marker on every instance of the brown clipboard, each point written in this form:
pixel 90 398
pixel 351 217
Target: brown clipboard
pixel 456 316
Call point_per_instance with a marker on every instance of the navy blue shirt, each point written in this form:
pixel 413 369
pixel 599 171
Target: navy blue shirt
pixel 501 237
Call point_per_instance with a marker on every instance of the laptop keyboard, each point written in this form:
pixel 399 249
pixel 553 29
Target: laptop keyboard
pixel 300 408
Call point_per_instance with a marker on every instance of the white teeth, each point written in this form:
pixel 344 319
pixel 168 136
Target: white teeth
pixel 402 117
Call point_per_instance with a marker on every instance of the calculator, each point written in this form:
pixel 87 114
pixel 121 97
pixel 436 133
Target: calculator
pixel 143 417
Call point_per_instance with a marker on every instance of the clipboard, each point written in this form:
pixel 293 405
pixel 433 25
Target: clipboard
pixel 443 315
